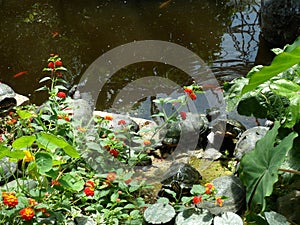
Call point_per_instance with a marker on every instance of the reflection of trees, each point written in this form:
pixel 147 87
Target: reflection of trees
pixel 240 43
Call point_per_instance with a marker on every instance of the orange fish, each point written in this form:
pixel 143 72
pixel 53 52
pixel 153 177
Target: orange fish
pixel 54 34
pixel 164 4
pixel 19 74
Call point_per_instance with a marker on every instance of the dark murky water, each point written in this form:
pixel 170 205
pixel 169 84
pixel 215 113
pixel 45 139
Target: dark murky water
pixel 225 34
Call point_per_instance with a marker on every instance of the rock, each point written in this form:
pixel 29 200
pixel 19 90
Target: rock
pixel 248 140
pixel 82 112
pixel 7 169
pixel 288 205
pixel 231 187
pixel 21 99
pixel 280 21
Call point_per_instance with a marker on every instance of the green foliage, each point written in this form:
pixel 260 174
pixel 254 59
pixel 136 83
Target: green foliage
pixel 288 58
pixel 259 168
pixel 272 91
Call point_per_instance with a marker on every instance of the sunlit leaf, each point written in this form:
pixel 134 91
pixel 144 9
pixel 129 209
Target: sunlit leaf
pixel 259 168
pixel 23 142
pixel 43 162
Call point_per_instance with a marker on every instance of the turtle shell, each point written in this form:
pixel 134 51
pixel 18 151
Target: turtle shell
pixel 179 178
pixel 182 173
pixel 194 124
pixel 7 96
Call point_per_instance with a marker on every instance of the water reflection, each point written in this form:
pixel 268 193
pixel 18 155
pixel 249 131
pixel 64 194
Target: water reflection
pixel 223 33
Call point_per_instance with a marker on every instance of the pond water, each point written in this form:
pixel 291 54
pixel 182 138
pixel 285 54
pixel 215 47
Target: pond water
pixel 225 34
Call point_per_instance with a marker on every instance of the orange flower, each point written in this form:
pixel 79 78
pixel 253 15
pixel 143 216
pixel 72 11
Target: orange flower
pixel 197 199
pixel 89 191
pixel 90 183
pixel 193 96
pixel 219 201
pixel 10 200
pixel 12 121
pixel 108 117
pixel 111 176
pixel 55 183
pixel 121 122
pixel 209 188
pixel 32 202
pixel 147 142
pixel 118 200
pixel 27 213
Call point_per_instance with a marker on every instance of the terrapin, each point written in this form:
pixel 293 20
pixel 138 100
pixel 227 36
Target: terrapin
pixel 180 177
pixel 7 97
pixel 194 125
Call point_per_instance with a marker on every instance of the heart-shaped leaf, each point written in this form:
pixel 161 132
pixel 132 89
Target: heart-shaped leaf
pixel 259 168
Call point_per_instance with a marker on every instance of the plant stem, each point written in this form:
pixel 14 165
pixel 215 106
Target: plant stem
pixel 290 171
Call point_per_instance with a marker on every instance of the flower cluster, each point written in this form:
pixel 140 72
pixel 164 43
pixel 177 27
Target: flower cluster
pixel 90 188
pixel 9 199
pixel 27 213
pixel 208 192
pixel 54 62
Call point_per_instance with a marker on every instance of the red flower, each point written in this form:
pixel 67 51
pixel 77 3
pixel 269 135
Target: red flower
pixel 121 122
pixel 27 213
pixel 32 202
pixel 188 90
pixel 128 181
pixel 51 65
pixel 183 115
pixel 219 201
pixel 111 176
pixel 55 183
pixel 58 63
pixel 90 183
pixel 108 117
pixel 10 200
pixel 197 199
pixel 114 153
pixel 61 94
pixel 89 191
pixel 209 188
pixel 193 96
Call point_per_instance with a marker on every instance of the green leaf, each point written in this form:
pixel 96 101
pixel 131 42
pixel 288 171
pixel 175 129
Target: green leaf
pixel 50 142
pixel 293 112
pixel 72 181
pixel 159 213
pixel 228 218
pixel 43 162
pixel 259 168
pixel 285 88
pixel 23 114
pixel 197 189
pixel 42 89
pixel 280 63
pixel 275 218
pixel 23 142
pixel 17 154
pixel 4 151
pixel 44 79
